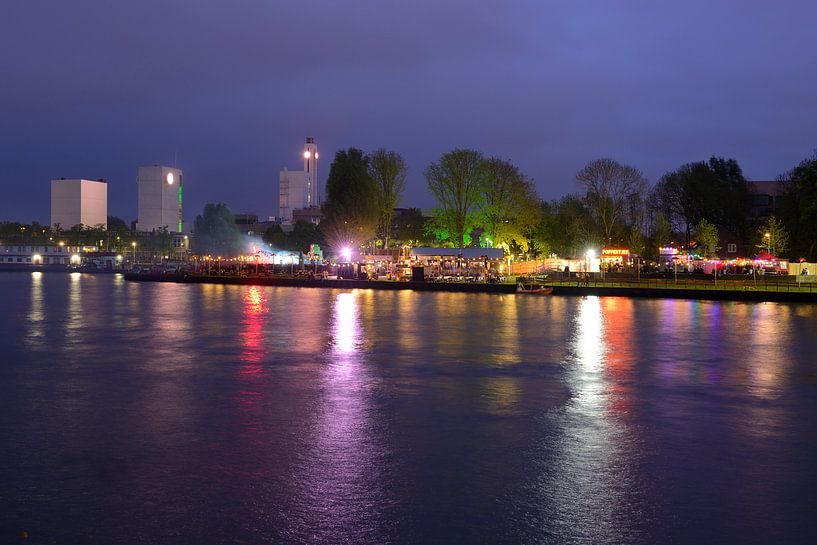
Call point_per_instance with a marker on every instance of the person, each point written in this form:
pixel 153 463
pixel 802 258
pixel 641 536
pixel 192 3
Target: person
pixel 805 271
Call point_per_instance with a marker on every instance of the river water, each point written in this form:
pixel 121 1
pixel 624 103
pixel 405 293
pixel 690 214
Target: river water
pixel 164 413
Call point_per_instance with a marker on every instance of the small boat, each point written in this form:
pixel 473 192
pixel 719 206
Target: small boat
pixel 541 290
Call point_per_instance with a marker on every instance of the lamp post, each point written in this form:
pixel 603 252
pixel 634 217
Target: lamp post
pixel 768 237
pixel 133 245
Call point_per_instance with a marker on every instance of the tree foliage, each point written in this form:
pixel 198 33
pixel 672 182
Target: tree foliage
pixel 351 211
pixel 610 188
pixel 216 232
pixel 275 237
pixel 798 208
pixel 457 181
pixel 707 237
pixel 715 191
pixel 388 170
pixel 772 237
pixel 509 207
pixel 410 227
pixel 565 228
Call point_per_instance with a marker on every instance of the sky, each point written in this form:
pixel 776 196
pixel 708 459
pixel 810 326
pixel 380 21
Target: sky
pixel 229 90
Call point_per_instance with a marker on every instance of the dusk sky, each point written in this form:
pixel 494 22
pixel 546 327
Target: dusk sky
pixel 229 90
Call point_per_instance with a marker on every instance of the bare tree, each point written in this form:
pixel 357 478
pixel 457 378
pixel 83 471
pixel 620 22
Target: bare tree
pixel 457 181
pixel 609 188
pixel 388 170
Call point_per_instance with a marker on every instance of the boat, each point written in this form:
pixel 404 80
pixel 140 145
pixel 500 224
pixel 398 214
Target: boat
pixel 541 290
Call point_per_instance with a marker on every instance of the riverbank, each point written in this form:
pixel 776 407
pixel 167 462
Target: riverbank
pixel 745 292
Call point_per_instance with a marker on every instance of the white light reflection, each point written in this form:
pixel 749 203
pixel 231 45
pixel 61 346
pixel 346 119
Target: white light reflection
pixel 590 476
pixel 36 314
pixel 589 340
pixel 346 326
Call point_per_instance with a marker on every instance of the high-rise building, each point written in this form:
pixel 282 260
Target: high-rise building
pixel 160 199
pixel 298 189
pixel 79 201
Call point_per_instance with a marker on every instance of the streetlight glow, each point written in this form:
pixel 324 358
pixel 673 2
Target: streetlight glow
pixel 307 155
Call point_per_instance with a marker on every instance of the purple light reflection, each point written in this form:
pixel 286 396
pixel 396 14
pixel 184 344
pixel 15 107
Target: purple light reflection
pixel 344 464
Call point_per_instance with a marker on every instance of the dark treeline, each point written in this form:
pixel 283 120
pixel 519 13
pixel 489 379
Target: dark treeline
pixel 488 201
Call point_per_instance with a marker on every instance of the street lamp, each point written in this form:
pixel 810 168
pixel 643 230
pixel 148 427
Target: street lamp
pixel 768 237
pixel 133 245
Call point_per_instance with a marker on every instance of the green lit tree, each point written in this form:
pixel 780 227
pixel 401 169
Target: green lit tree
pixel 773 237
pixel 509 208
pixel 457 182
pixel 707 236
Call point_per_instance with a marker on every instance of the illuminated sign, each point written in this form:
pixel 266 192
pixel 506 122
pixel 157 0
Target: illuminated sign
pixel 615 252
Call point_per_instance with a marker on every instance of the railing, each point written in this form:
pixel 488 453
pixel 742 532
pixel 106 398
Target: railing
pixel 758 283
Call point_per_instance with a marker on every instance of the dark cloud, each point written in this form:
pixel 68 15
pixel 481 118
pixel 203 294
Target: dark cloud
pixel 229 89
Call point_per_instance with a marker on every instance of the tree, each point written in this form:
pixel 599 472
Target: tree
pixel 117 225
pixel 773 237
pixel 707 236
pixel 660 234
pixel 733 195
pixel 410 227
pixel 388 170
pixel 457 181
pixel 351 209
pixel 798 208
pixel 565 228
pixel 509 210
pixel 609 186
pixel 303 234
pixel 216 232
pixel 685 196
pixel 275 236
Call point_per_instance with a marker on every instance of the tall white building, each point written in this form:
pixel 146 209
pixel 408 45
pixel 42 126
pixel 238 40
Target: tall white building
pixel 298 189
pixel 79 201
pixel 160 199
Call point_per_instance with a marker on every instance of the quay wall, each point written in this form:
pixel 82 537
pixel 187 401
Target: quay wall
pixel 648 292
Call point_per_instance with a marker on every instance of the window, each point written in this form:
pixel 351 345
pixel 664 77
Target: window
pixel 732 248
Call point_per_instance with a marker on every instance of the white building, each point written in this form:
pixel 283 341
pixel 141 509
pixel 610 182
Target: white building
pixel 160 199
pixel 79 201
pixel 298 189
pixel 28 254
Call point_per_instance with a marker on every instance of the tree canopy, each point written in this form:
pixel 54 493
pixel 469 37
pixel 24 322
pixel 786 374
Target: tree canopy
pixel 509 207
pixel 798 208
pixel 216 232
pixel 610 188
pixel 457 181
pixel 351 211
pixel 388 170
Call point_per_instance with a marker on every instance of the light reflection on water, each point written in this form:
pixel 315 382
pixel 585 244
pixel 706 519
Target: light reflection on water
pixel 270 415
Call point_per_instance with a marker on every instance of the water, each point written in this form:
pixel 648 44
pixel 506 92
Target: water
pixel 163 413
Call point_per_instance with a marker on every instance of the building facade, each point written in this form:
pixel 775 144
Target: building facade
pixel 160 199
pixel 33 254
pixel 298 189
pixel 79 201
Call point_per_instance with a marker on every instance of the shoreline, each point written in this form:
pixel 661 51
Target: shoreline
pixel 507 289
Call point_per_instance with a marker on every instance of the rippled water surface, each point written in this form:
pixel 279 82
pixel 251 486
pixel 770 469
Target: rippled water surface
pixel 163 413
